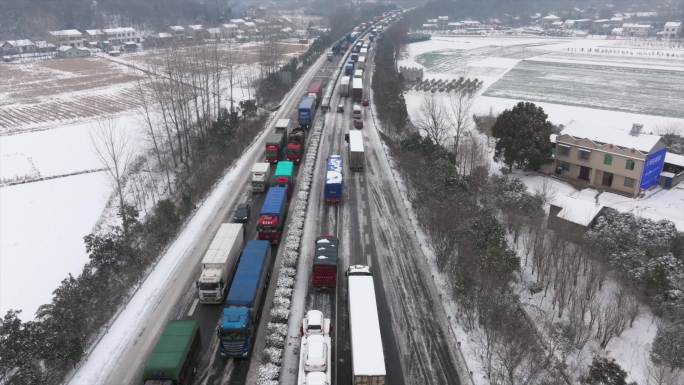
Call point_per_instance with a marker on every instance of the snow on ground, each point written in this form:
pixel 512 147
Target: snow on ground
pixel 42 227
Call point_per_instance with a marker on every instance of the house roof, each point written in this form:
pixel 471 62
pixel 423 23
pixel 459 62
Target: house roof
pixel 250 24
pixel 635 25
pixel 119 30
pixel 20 43
pixel 164 35
pixel 675 24
pixel 196 27
pixel 551 17
pixel 617 137
pixel 177 28
pixel 214 31
pixel 676 159
pixel 66 32
pixel 576 210
pixel 229 26
pixel 94 32
pixel 237 21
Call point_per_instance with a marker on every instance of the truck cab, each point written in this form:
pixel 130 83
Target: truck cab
pixel 261 172
pixel 235 332
pixel 356 111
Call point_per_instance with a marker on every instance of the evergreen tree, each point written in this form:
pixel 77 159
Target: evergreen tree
pixel 605 371
pixel 668 346
pixel 523 136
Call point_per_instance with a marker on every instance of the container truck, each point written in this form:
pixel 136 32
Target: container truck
pixel 275 146
pixel 361 63
pixel 305 111
pixel 349 68
pixel 175 356
pixel 368 360
pixel 284 175
pixel 315 350
pixel 240 318
pixel 316 88
pixel 272 215
pixel 295 145
pixel 324 274
pixel 356 155
pixel 358 74
pixel 218 263
pixel 283 125
pixel 332 192
pixel 261 174
pixel 344 86
pixel 357 89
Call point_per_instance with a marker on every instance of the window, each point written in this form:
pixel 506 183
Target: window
pixel 608 159
pixel 629 164
pixel 583 154
pixel 629 182
pixel 563 150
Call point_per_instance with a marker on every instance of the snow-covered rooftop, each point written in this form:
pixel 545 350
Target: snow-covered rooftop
pixel 119 30
pixel 214 31
pixel 551 17
pixel 94 32
pixel 676 159
pixel 177 28
pixel 164 35
pixel 66 32
pixel 237 21
pixel 577 210
pixel 641 142
pixel 196 27
pixel 229 26
pixel 20 43
pixel 673 24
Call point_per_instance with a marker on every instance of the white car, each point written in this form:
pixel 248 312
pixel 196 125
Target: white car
pixel 315 353
pixel 314 323
pixel 316 378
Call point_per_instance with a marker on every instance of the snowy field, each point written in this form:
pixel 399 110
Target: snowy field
pixel 48 110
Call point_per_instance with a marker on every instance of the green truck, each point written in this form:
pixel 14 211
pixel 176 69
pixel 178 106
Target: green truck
pixel 173 360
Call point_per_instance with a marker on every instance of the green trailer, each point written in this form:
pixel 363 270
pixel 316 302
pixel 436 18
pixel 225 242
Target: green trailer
pixel 173 360
pixel 284 175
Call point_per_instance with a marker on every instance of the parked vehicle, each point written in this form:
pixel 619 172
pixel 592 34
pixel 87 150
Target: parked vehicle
pixel 344 86
pixel 315 350
pixel 218 263
pixel 295 145
pixel 305 111
pixel 332 192
pixel 356 154
pixel 175 356
pixel 357 89
pixel 368 360
pixel 284 175
pixel 241 214
pixel 261 174
pixel 275 146
pixel 238 324
pixel 272 215
pixel 324 274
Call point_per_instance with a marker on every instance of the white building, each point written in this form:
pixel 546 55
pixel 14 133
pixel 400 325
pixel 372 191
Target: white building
pixel 66 51
pixel 636 30
pixel 68 37
pixel 121 35
pixel 672 29
pixel 14 47
pixel 548 20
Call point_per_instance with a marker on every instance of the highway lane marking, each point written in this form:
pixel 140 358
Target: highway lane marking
pixel 193 307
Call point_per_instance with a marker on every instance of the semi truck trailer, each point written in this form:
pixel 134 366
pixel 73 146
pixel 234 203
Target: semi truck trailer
pixel 324 274
pixel 218 263
pixel 356 154
pixel 275 146
pixel 175 356
pixel 305 111
pixel 332 192
pixel 272 215
pixel 240 319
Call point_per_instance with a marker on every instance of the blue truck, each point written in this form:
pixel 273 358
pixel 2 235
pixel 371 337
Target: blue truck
pixel 349 68
pixel 305 111
pixel 242 307
pixel 332 193
pixel 272 215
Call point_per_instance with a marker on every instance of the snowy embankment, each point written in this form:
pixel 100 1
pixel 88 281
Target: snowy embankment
pixel 268 372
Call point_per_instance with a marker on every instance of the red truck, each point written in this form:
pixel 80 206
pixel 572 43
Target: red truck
pixel 316 89
pixel 295 145
pixel 324 273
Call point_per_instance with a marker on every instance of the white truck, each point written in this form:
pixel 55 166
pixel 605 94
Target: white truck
pixel 261 174
pixel 361 63
pixel 358 74
pixel 368 360
pixel 356 154
pixel 315 350
pixel 219 261
pixel 344 86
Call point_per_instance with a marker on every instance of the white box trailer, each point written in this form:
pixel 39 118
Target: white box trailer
pixel 344 85
pixel 283 124
pixel 361 63
pixel 261 174
pixel 368 360
pixel 356 155
pixel 219 261
pixel 357 89
pixel 358 74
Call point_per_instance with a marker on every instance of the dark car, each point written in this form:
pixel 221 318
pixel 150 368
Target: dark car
pixel 358 123
pixel 340 107
pixel 241 213
pixel 365 103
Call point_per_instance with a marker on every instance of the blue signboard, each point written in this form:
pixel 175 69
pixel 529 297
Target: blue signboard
pixel 652 168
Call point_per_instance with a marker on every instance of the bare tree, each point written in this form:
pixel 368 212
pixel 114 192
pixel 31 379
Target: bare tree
pixel 433 119
pixel 461 102
pixel 112 147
